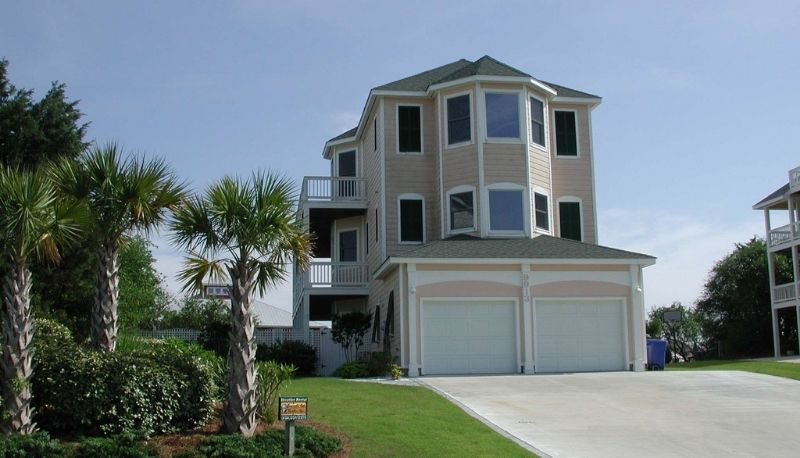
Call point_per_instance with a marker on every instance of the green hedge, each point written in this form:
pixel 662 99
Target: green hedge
pixel 269 444
pixel 292 352
pixel 31 445
pixel 78 391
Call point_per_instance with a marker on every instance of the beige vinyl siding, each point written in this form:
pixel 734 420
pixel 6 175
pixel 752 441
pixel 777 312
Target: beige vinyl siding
pixel 410 173
pixel 573 176
pixel 379 296
pixel 504 163
pixel 372 171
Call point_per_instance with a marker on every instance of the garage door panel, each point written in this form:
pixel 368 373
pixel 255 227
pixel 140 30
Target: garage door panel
pixel 462 337
pixel 579 335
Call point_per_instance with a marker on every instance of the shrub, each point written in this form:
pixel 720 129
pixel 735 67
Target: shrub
pixel 396 372
pixel 271 377
pixel 354 369
pixel 214 337
pixel 379 363
pixel 120 446
pixel 293 352
pixel 308 442
pixel 77 391
pixel 51 334
pixel 30 445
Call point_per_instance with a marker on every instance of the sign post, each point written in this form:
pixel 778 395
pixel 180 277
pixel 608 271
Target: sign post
pixel 291 409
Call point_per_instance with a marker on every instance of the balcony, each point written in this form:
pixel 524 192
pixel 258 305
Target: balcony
pixel 794 179
pixel 333 192
pixel 784 293
pixel 331 278
pixel 782 235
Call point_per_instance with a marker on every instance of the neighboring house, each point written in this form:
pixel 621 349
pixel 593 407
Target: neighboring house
pixel 215 290
pixel 783 240
pixel 460 213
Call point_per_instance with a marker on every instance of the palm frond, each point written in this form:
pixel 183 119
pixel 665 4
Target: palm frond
pixel 197 268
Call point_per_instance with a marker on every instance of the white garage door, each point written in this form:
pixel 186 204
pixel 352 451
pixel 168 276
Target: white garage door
pixel 468 337
pixel 579 336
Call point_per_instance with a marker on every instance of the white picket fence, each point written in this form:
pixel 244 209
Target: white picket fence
pixel 329 354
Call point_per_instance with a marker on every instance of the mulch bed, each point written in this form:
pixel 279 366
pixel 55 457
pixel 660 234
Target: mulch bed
pixel 168 444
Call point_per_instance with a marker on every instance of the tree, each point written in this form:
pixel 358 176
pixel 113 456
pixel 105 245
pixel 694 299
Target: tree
pixel 246 232
pixel 34 132
pixel 122 195
pixel 348 330
pixel 142 298
pixel 684 337
pixel 735 305
pixel 197 312
pixel 33 223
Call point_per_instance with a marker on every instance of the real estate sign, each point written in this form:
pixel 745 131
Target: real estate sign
pixel 294 408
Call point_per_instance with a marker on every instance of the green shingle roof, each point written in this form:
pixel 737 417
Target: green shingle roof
pixel 463 68
pixel 539 247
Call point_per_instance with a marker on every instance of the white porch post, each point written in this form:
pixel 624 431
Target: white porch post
pixel 776 338
pixel 639 339
pixel 413 357
pixel 528 319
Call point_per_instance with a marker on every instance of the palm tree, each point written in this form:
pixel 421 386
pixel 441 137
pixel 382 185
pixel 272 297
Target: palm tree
pixel 247 232
pixel 32 223
pixel 122 194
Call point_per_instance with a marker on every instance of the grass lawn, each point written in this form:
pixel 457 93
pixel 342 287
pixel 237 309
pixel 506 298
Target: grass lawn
pixel 788 370
pixel 389 420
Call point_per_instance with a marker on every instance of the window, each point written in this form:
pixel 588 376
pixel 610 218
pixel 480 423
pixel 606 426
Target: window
pixel 502 115
pixel 462 215
pixel 537 121
pixel 409 129
pixel 376 325
pixel 506 210
pixel 459 128
pixel 542 213
pixel 348 246
pixel 566 134
pixel 376 226
pixel 412 225
pixel 375 134
pixel 569 215
pixel 366 231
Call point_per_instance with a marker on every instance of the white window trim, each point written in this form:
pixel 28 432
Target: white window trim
pixel 336 253
pixel 520 116
pixel 421 130
pixel 347 150
pixel 573 199
pixel 542 191
pixel 471 121
pixel 459 190
pixel 526 217
pixel 545 118
pixel 410 196
pixel 577 135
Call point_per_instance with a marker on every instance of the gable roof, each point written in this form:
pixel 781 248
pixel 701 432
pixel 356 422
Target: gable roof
pixel 778 194
pixel 539 247
pixel 343 135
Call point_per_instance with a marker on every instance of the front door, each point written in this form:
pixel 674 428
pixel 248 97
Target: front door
pixel 347 169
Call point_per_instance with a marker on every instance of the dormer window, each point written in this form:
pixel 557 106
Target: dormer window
pixel 537 121
pixel 506 209
pixel 461 209
pixel 502 115
pixel 569 216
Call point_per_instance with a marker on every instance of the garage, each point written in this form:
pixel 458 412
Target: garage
pixel 468 337
pixel 579 335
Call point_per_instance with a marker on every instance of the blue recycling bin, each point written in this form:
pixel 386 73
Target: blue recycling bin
pixel 656 354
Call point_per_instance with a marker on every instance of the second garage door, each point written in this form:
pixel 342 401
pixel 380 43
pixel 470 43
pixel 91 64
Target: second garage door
pixel 579 336
pixel 468 337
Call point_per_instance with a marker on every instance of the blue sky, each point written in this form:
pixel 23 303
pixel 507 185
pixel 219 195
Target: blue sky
pixel 696 125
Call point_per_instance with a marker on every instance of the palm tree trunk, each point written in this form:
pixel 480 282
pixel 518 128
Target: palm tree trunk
pixel 240 410
pixel 17 349
pixel 104 312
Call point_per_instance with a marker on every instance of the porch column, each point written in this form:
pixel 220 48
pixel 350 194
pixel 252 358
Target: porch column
pixel 528 319
pixel 776 338
pixel 639 342
pixel 413 357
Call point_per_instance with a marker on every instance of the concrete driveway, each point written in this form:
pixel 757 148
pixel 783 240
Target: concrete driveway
pixel 625 414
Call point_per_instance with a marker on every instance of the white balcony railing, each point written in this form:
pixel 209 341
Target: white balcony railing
pixel 783 293
pixel 783 234
pixel 334 189
pixel 337 275
pixel 794 179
